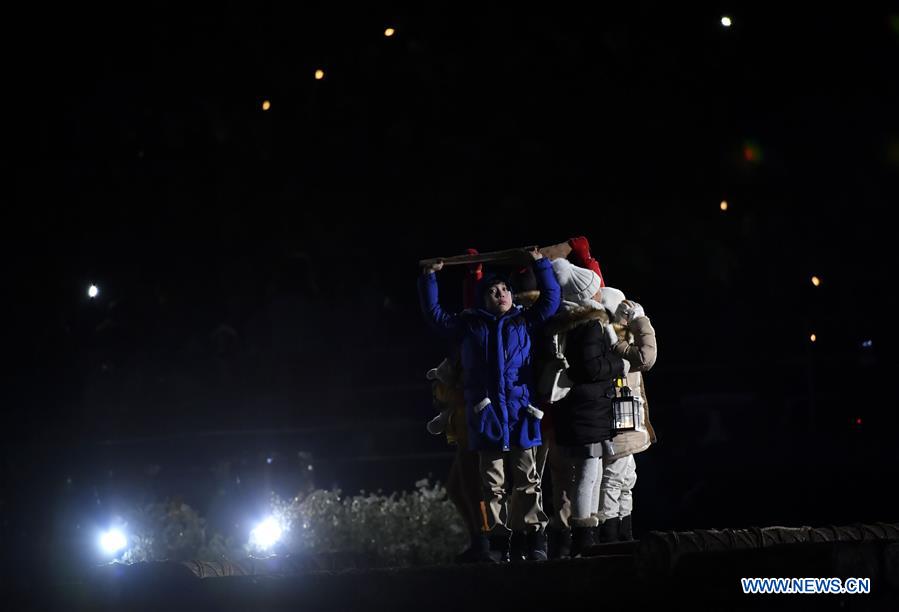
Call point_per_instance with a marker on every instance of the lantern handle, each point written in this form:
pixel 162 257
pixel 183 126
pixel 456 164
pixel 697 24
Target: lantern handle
pixel 621 385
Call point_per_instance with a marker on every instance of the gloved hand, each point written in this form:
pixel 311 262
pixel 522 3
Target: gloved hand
pixel 434 267
pixel 627 311
pixel 638 312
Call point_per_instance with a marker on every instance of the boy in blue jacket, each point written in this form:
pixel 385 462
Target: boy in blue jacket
pixel 503 426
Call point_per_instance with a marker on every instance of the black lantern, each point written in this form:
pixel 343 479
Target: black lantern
pixel 627 410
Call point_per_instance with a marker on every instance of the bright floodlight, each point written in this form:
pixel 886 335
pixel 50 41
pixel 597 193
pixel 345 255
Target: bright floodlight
pixel 92 291
pixel 726 22
pixel 265 534
pixel 113 541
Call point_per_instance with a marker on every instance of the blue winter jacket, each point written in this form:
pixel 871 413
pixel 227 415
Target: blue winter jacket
pixel 496 358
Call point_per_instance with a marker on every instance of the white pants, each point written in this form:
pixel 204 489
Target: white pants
pixel 587 473
pixel 615 491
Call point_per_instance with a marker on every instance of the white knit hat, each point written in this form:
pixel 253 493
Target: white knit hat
pixel 578 284
pixel 611 298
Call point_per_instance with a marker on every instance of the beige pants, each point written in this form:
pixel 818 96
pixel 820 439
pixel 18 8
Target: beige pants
pixel 512 475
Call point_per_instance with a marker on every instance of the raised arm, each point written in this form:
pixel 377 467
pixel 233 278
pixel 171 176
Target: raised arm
pixel 641 353
pixel 446 324
pixel 550 293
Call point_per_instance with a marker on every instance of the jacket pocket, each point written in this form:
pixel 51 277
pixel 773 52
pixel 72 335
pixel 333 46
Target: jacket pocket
pixel 533 424
pixel 489 425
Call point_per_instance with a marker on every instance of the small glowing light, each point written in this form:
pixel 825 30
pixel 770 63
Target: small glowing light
pixel 867 344
pixel 726 21
pixel 113 541
pixel 752 152
pixel 266 105
pixel 266 534
pixel 268 460
pixel 93 291
pixel 813 338
pixel 816 281
pixel 319 74
pixel 389 32
pixel 858 421
pixel 723 205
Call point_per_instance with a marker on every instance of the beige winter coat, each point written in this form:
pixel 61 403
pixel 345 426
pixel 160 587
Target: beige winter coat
pixel 636 344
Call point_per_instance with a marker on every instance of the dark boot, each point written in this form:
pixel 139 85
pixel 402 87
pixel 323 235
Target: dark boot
pixel 477 552
pixel 581 540
pixel 518 546
pixel 499 548
pixel 608 531
pixel 536 545
pixel 626 530
pixel 560 543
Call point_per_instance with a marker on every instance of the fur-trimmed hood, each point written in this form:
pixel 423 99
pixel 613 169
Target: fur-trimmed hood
pixel 567 320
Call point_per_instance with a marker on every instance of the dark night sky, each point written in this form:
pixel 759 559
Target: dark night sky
pixel 248 259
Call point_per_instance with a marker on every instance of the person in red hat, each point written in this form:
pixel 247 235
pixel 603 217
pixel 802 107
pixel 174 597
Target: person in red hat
pixel 580 396
pixel 560 467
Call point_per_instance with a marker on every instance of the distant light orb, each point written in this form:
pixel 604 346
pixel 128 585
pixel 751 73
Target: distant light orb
pixel 751 152
pixel 319 75
pixel 813 338
pixel 113 541
pixel 726 21
pixel 389 32
pixel 266 105
pixel 266 534
pixel 816 281
pixel 93 291
pixel 723 205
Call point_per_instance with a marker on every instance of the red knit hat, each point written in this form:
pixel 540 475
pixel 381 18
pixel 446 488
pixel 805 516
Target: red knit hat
pixel 580 256
pixel 469 285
